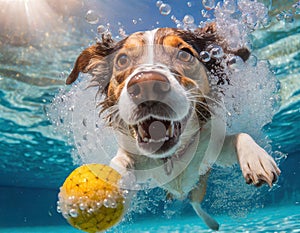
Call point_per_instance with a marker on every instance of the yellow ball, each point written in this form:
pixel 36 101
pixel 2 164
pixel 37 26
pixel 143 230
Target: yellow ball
pixel 90 198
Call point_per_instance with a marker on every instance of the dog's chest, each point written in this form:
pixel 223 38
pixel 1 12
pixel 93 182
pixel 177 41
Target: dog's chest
pixel 177 175
pixel 180 174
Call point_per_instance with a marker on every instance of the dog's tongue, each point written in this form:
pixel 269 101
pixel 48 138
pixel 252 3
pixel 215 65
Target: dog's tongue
pixel 155 129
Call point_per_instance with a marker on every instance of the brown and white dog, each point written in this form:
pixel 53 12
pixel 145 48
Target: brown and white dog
pixel 157 93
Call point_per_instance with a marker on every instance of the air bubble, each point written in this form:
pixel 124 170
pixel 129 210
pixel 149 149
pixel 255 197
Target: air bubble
pixel 98 204
pixel 58 209
pixel 71 198
pixel 216 52
pixel 159 3
pixel 204 56
pixel 235 63
pixel 90 210
pixel 280 16
pixel 101 29
pixel 229 6
pixel 73 213
pixel 110 203
pixel 289 17
pixel 91 17
pixel 297 8
pixel 173 18
pixel 204 13
pixel 82 206
pixel 125 193
pixel 188 19
pixel 252 60
pixel 179 25
pixel 122 32
pixel 62 75
pixel 208 4
pixel 189 4
pixel 134 21
pixel 165 9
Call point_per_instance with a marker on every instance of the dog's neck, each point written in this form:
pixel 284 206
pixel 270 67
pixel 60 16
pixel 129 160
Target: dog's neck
pixel 169 161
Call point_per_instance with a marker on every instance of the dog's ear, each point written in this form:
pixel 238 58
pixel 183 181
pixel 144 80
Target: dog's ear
pixel 90 57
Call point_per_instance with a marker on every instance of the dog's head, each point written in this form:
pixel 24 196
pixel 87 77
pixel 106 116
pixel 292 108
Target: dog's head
pixel 154 83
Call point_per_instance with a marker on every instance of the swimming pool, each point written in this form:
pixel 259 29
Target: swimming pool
pixel 35 159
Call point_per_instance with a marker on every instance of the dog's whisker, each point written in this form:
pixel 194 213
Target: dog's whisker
pixel 202 104
pixel 200 113
pixel 218 104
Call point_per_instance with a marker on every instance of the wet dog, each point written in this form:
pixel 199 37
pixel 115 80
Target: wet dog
pixel 159 99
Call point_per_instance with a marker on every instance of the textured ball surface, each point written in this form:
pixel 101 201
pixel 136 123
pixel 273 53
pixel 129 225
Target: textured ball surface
pixel 90 198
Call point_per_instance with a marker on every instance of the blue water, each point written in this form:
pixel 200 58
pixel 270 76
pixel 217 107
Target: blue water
pixel 279 219
pixel 35 160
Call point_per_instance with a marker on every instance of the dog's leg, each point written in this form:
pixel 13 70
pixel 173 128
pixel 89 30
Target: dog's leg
pixel 257 165
pixel 196 197
pixel 123 164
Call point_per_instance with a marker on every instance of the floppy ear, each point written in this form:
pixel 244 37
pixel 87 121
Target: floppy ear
pixel 90 57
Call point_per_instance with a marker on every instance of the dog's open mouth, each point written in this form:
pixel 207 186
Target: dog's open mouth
pixel 157 136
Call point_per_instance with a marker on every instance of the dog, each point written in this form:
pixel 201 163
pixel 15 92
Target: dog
pixel 158 98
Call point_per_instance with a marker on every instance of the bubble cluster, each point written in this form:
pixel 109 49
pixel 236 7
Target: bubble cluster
pixel 235 20
pixel 188 23
pixel 296 7
pixel 122 32
pixel 288 16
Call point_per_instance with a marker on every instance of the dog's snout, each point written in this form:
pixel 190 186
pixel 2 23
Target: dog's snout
pixel 146 86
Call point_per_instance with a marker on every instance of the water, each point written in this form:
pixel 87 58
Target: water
pixel 35 159
pixel 268 220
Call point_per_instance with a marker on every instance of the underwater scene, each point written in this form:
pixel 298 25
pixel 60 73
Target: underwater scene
pixel 214 146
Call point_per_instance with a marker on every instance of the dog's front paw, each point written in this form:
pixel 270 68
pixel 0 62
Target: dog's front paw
pixel 257 166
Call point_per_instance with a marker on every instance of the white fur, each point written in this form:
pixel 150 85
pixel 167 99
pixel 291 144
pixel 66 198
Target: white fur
pixel 176 99
pixel 197 150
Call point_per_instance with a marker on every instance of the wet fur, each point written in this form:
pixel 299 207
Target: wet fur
pixel 257 166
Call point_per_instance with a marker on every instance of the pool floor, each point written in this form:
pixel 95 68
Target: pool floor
pixel 281 219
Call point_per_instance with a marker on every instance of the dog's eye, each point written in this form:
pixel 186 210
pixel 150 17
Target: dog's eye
pixel 123 61
pixel 185 55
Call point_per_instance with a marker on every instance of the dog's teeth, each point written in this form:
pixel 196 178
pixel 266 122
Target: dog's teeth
pixel 141 131
pixel 159 140
pixel 146 139
pixel 170 131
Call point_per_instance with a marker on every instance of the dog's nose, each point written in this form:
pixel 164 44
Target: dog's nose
pixel 147 86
